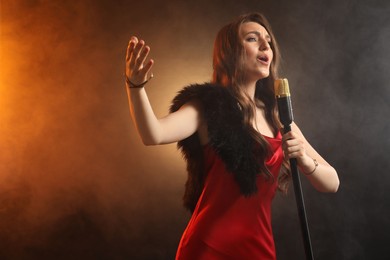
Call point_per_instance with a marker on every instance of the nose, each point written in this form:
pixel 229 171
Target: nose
pixel 264 45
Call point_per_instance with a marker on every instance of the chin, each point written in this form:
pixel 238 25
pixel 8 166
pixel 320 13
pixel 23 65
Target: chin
pixel 263 75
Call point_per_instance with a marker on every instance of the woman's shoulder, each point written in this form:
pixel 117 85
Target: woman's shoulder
pixel 199 89
pixel 203 93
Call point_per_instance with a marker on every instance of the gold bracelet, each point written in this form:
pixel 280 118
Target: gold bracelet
pixel 315 168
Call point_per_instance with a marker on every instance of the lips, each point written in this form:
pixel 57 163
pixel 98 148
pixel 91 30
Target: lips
pixel 263 58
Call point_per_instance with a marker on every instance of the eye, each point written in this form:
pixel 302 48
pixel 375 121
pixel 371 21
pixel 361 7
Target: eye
pixel 251 39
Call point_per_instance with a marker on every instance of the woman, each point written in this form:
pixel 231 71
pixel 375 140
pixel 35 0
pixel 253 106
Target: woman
pixel 228 131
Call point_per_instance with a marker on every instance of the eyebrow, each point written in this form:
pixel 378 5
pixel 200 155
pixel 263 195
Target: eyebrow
pixel 267 37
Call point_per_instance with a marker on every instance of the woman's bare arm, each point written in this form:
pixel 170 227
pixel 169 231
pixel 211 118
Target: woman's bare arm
pixel 324 177
pixel 172 128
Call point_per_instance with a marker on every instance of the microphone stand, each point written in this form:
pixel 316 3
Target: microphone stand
pixel 282 93
pixel 300 204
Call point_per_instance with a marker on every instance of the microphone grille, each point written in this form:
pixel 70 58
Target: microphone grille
pixel 281 88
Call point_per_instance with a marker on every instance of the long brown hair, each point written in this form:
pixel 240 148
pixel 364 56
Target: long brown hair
pixel 228 60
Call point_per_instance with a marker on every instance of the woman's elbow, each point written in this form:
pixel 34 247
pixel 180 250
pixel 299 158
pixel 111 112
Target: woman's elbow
pixel 336 182
pixel 333 188
pixel 150 142
pixel 147 143
pixel 336 186
pixel 333 184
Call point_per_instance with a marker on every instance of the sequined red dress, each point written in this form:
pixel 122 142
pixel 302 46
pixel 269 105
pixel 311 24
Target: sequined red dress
pixel 227 225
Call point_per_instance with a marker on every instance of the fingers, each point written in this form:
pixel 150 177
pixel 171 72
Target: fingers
pixel 142 57
pixel 130 47
pixel 146 69
pixel 136 55
pixel 288 135
pixel 292 146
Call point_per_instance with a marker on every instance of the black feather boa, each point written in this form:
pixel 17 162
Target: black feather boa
pixel 228 136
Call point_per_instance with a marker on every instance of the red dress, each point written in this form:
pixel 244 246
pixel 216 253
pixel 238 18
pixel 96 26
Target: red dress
pixel 227 225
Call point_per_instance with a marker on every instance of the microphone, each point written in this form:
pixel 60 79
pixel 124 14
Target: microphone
pixel 283 98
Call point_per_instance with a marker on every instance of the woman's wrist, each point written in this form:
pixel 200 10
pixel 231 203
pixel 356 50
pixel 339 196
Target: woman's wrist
pixel 131 85
pixel 309 166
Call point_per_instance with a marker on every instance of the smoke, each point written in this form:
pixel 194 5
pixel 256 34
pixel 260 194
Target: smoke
pixel 336 58
pixel 75 180
pixel 55 129
pixel 41 185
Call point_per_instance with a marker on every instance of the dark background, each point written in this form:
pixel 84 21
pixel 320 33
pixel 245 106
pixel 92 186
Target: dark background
pixel 76 181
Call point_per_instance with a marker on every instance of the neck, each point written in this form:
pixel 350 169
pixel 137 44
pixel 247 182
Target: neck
pixel 250 88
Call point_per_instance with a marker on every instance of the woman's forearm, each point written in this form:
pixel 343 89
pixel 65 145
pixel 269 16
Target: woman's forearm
pixel 324 177
pixel 318 171
pixel 143 116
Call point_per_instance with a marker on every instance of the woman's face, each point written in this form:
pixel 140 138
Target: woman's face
pixel 258 53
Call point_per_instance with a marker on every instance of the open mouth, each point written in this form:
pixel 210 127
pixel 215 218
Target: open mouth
pixel 263 58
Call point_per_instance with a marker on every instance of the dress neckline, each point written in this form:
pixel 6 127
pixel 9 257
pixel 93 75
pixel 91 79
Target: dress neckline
pixel 278 137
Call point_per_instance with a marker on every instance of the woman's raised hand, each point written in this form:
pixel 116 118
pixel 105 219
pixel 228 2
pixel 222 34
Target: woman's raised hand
pixel 137 70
